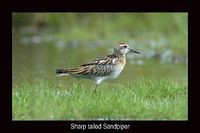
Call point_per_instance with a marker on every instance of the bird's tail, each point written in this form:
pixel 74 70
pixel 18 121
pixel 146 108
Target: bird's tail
pixel 72 71
pixel 62 72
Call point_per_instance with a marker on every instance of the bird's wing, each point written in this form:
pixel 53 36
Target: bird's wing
pixel 102 66
pixel 106 60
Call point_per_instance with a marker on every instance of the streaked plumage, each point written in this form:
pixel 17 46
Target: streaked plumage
pixel 104 68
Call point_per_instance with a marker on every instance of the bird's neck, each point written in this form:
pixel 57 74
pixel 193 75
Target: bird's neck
pixel 122 59
pixel 119 55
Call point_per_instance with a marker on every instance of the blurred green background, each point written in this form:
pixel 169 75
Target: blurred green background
pixel 43 42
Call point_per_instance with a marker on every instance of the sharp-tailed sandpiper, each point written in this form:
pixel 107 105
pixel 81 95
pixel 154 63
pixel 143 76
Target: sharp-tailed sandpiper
pixel 105 68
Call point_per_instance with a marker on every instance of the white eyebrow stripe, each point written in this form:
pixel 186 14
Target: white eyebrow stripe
pixel 121 45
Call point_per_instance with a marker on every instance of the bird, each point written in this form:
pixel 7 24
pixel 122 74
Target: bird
pixel 100 69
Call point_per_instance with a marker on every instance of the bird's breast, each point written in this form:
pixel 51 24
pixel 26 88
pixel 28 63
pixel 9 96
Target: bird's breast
pixel 118 69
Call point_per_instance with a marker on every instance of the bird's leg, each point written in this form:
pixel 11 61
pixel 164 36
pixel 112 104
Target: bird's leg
pixel 78 84
pixel 95 89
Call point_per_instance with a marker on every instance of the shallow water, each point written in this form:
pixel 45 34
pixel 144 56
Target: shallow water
pixel 37 57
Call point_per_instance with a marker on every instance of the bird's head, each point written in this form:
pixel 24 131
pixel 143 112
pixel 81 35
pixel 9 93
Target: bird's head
pixel 122 48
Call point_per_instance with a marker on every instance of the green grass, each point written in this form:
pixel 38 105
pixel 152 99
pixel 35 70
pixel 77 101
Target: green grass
pixel 142 100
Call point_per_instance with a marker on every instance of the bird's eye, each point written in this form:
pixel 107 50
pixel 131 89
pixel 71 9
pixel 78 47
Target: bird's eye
pixel 125 46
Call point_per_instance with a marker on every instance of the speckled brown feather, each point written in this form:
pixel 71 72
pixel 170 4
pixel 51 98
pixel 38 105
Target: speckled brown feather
pixel 99 67
pixel 103 68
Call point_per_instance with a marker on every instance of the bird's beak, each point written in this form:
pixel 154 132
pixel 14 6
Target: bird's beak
pixel 131 50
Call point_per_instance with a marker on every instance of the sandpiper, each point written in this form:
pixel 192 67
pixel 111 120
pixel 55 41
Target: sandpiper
pixel 100 69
